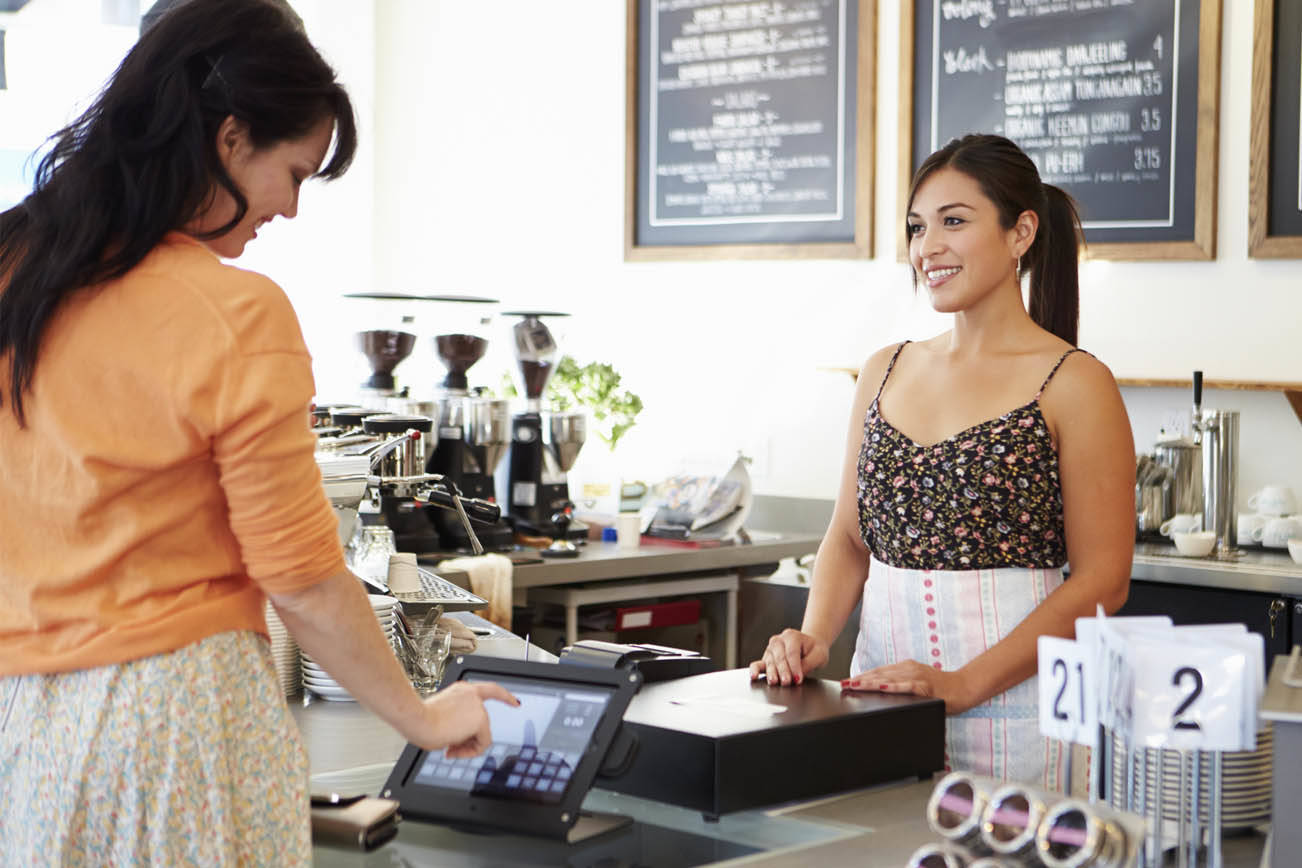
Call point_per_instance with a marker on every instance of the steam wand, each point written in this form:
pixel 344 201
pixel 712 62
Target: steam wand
pixel 443 493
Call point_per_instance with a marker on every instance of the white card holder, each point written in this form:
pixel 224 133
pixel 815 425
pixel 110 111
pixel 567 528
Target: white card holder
pixel 1155 686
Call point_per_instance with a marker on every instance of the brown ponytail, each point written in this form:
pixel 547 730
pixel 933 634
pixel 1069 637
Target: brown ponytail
pixel 1053 260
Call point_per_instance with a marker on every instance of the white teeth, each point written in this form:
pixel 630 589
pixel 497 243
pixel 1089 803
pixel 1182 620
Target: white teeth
pixel 942 273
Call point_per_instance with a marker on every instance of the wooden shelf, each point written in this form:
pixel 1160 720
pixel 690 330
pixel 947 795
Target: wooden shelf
pixel 1235 385
pixel 1292 391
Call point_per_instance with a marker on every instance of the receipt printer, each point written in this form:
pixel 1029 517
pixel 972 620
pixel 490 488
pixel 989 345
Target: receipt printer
pixel 654 662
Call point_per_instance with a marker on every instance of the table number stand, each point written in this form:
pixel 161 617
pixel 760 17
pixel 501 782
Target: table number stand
pixel 1101 692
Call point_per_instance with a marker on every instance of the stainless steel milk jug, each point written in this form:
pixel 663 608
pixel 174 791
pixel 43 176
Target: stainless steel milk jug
pixel 1184 458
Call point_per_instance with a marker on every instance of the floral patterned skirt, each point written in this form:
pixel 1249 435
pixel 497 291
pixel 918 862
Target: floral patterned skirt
pixel 945 618
pixel 184 758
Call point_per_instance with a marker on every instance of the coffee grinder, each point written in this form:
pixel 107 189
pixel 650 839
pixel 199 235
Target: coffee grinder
pixel 386 340
pixel 537 493
pixel 472 430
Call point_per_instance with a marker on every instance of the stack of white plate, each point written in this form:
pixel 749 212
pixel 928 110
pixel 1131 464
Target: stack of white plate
pixel 284 653
pixel 317 680
pixel 1246 778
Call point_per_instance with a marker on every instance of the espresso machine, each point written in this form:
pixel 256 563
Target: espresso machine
pixel 473 431
pixel 405 498
pixel 535 488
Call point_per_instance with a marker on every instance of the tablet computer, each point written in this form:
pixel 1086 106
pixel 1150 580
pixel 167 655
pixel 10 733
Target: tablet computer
pixel 545 753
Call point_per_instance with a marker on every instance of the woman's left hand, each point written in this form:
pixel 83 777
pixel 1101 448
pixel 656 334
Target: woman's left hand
pixel 910 676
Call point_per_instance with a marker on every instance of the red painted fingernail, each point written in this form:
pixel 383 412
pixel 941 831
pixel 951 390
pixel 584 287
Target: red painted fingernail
pixel 884 687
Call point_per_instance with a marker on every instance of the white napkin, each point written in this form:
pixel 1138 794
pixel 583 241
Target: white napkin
pixel 490 578
pixel 463 638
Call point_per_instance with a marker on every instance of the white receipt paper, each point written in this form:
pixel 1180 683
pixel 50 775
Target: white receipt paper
pixel 731 705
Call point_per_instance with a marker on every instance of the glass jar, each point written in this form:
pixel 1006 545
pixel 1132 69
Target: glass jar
pixel 371 559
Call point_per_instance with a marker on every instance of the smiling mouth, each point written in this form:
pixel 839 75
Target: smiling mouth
pixel 937 276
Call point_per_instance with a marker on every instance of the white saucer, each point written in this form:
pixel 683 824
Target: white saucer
pixel 337 694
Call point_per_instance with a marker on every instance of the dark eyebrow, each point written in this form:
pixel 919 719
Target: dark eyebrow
pixel 943 208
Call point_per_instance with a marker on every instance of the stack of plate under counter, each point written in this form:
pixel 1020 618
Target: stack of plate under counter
pixel 1245 794
pixel 319 682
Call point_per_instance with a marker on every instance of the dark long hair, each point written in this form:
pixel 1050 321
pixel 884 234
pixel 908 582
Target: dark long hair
pixel 142 160
pixel 1009 179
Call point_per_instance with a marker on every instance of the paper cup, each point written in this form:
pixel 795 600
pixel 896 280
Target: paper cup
pixel 628 530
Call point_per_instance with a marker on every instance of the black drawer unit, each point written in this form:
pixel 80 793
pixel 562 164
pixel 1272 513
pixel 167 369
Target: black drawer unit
pixel 1276 617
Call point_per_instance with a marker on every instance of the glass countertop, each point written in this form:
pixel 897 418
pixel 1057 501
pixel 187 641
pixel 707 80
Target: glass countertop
pixel 660 836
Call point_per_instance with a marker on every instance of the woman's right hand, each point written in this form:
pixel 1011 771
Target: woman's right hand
pixel 789 656
pixel 455 718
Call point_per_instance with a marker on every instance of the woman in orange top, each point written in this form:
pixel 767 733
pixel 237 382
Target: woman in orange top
pixel 157 480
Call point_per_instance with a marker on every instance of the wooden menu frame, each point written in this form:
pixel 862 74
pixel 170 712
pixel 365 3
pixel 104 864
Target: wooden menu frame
pixel 1261 243
pixel 860 247
pixel 1202 245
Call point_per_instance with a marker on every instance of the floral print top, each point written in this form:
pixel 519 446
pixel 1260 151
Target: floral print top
pixel 985 498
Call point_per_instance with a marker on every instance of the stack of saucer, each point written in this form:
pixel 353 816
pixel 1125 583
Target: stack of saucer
pixel 317 680
pixel 284 653
pixel 1246 783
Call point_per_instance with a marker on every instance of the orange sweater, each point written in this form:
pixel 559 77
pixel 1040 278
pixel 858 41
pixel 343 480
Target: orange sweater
pixel 165 478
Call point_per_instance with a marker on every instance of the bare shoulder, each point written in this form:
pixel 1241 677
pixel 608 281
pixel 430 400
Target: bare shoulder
pixel 1083 391
pixel 1080 375
pixel 874 369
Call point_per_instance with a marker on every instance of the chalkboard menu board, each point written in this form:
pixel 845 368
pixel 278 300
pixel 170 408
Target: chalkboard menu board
pixel 1114 100
pixel 1275 173
pixel 749 128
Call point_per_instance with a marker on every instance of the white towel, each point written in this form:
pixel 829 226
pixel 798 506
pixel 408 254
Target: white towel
pixel 463 638
pixel 490 578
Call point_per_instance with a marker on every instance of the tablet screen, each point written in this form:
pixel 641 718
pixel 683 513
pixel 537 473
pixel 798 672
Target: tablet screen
pixel 536 747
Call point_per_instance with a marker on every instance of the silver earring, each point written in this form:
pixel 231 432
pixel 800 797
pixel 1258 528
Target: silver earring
pixel 1019 266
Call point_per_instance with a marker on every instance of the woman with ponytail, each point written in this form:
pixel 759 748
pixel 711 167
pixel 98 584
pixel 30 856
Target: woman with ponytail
pixel 157 480
pixel 979 463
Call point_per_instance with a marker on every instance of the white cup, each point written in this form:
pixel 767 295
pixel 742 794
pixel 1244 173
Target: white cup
pixel 1295 549
pixel 1275 500
pixel 1181 522
pixel 1196 544
pixel 1250 523
pixel 1275 533
pixel 628 530
pixel 403 575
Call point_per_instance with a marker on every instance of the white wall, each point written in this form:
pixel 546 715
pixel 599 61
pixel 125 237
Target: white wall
pixel 492 163
pixel 502 174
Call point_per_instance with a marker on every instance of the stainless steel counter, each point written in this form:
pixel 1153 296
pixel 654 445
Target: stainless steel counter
pixel 605 561
pixel 1267 571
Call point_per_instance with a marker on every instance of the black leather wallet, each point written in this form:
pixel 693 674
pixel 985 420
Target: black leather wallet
pixel 356 822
